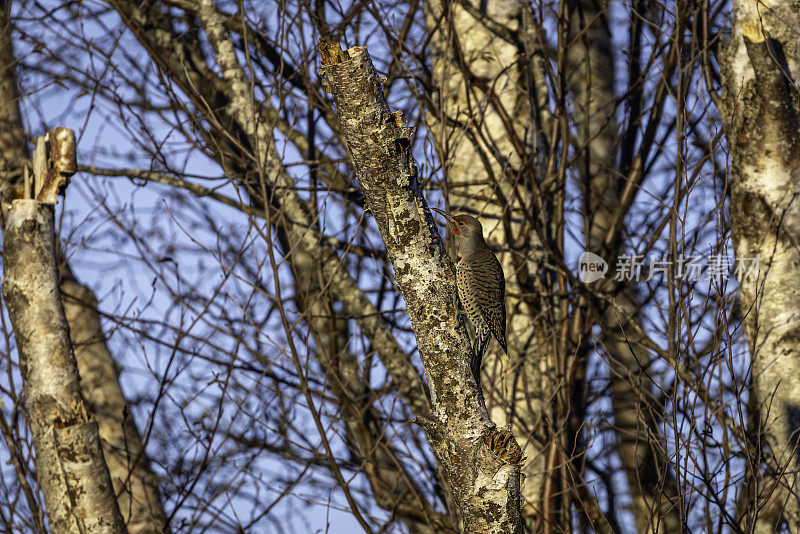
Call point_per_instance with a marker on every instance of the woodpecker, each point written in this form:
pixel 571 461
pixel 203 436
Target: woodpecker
pixel 481 287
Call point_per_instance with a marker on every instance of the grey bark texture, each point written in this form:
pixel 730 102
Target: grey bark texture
pixel 481 464
pixel 134 482
pixel 71 471
pixel 761 68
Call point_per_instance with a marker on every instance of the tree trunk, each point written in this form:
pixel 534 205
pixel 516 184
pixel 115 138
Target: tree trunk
pixel 13 155
pixel 135 484
pixel 480 463
pixel 70 467
pixel 762 102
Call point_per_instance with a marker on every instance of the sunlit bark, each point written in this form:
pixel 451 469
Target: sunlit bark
pixel 70 467
pixel 136 486
pixel 763 112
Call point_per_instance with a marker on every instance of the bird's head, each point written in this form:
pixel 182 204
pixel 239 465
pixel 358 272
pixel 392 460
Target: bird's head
pixel 467 229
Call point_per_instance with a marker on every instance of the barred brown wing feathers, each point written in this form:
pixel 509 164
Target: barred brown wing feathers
pixel 481 289
pixel 492 305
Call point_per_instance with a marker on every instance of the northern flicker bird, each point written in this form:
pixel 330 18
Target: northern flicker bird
pixel 481 286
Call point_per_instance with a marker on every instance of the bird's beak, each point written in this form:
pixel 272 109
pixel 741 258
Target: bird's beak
pixel 449 218
pixel 442 213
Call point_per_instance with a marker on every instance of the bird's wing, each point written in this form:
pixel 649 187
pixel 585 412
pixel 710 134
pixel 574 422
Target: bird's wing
pixel 492 298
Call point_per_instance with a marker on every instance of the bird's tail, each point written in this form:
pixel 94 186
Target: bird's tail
pixel 502 341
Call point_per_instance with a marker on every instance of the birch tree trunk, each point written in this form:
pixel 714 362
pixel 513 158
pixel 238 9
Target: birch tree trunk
pixel 135 484
pixel 481 464
pixel 761 66
pixel 71 470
